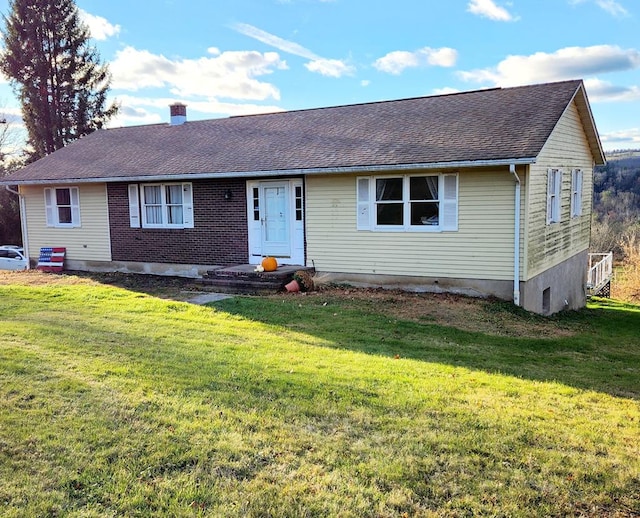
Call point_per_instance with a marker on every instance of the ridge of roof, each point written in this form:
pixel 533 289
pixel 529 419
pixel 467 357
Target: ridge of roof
pixel 366 103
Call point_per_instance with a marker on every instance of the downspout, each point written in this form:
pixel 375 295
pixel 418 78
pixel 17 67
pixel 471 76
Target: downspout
pixel 516 238
pixel 23 222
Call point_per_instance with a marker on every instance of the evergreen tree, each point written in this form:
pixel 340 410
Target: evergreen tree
pixel 56 73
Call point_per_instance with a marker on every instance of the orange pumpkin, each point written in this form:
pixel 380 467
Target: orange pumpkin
pixel 269 264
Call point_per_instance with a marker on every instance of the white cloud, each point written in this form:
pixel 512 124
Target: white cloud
pixel 623 139
pixel 272 40
pixel 132 113
pixel 147 110
pixel 442 57
pixel 365 83
pixel 489 9
pixel 329 67
pixel 567 63
pixel 445 91
pixel 323 66
pixel 100 27
pixel 395 62
pixel 603 91
pixel 611 6
pixel 227 74
pixel 10 113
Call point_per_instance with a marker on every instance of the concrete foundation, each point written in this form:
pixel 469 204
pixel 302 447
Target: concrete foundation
pixel 468 287
pixel 561 287
pixel 173 270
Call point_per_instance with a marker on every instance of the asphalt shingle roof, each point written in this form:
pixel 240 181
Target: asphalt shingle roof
pixel 483 125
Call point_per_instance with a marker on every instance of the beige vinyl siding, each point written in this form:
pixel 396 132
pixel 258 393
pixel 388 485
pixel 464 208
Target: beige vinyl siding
pixel 482 247
pixel 89 242
pixel 549 245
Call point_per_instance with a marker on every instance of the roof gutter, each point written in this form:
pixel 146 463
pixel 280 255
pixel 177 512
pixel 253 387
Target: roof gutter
pixel 23 222
pixel 281 172
pixel 516 237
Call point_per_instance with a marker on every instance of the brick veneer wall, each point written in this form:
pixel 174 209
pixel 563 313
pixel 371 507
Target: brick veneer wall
pixel 219 235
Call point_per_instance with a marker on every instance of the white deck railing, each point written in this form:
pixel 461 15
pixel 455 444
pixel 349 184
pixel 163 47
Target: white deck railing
pixel 600 271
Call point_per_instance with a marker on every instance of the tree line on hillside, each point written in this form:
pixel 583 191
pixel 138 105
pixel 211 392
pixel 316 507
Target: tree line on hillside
pixel 616 221
pixel 61 84
pixel 616 205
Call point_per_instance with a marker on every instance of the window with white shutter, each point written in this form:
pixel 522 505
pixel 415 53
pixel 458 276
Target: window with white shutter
pixel 576 193
pixel 62 206
pixel 415 203
pixel 450 202
pixel 364 204
pixel 134 206
pixel 159 205
pixel 554 195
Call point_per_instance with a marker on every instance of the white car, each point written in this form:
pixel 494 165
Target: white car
pixel 12 258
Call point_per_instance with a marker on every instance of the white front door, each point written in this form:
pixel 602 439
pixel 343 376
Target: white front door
pixel 275 219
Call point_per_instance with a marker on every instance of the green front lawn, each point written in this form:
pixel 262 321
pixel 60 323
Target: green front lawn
pixel 117 403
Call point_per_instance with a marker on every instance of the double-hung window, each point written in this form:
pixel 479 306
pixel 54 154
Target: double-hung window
pixel 554 195
pixel 408 202
pixel 62 206
pixel 161 205
pixel 576 193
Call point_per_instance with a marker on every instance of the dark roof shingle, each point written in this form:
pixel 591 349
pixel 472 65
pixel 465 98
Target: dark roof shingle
pixel 483 125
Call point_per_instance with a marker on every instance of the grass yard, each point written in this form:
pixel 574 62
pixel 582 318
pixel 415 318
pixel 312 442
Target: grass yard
pixel 115 402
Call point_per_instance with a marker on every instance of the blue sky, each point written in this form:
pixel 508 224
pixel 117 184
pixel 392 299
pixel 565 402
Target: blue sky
pixel 224 57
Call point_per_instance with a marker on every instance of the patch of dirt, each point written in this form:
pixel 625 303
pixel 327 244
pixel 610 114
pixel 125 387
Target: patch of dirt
pixel 488 316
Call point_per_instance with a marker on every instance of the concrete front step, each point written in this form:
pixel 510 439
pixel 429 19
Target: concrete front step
pixel 241 286
pixel 243 279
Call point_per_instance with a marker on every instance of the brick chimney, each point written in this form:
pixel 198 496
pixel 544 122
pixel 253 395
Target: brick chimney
pixel 178 114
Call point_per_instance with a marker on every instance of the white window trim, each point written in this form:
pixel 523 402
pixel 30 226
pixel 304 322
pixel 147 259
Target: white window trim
pixel 577 177
pixel 137 212
pixel 554 195
pixel 51 207
pixel 447 200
